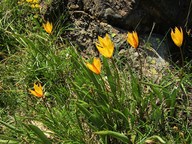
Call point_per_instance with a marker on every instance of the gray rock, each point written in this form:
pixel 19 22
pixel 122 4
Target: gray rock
pixel 93 18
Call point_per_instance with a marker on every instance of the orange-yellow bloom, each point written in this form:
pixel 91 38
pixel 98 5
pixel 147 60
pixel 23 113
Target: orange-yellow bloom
pixel 177 36
pixel 95 66
pixel 105 47
pixel 133 39
pixel 35 1
pixel 37 6
pixel 38 90
pixel 48 27
pixel 29 1
pixel 32 6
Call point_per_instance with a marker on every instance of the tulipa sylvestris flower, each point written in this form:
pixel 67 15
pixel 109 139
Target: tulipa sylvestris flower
pixel 95 66
pixel 177 36
pixel 38 90
pixel 29 1
pixel 105 47
pixel 133 39
pixel 48 27
pixel 35 6
pixel 35 1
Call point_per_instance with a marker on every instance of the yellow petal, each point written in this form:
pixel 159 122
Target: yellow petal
pixel 33 92
pixel 92 68
pixel 97 64
pixel 40 86
pixel 130 39
pixel 38 90
pixel 133 39
pixel 35 86
pixel 110 45
pixel 103 51
pixel 107 39
pixel 177 36
pixel 44 26
pixel 105 47
pixel 48 27
pixel 136 38
pixel 102 42
pixel 177 30
pixel 175 39
pixel 48 24
pixel 181 35
pixel 37 6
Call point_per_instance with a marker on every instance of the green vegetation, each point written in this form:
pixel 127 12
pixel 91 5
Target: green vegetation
pixel 78 105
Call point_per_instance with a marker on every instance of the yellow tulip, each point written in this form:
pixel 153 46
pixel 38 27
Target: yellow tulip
pixel 29 1
pixel 95 66
pixel 177 36
pixel 48 27
pixel 38 90
pixel 35 1
pixel 133 39
pixel 32 6
pixel 37 6
pixel 105 47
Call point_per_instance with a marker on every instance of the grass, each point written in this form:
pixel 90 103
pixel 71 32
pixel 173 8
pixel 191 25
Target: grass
pixel 78 105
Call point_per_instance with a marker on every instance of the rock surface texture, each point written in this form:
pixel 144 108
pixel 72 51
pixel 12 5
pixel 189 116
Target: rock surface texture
pixel 93 18
pixel 96 17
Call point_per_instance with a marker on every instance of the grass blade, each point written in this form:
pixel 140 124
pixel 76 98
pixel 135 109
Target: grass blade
pixel 117 135
pixel 40 134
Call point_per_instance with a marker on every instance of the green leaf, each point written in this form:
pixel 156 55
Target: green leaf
pixel 11 127
pixel 156 116
pixel 157 92
pixel 167 96
pixel 8 142
pixel 150 84
pixel 117 135
pixel 40 134
pixel 111 81
pixel 157 137
pixel 7 139
pixel 136 86
pixel 173 100
pixel 80 66
pixel 122 115
pixel 90 116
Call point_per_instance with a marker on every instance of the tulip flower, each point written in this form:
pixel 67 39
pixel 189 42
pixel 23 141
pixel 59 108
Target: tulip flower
pixel 95 66
pixel 177 36
pixel 35 1
pixel 105 47
pixel 29 1
pixel 48 27
pixel 38 90
pixel 35 6
pixel 133 39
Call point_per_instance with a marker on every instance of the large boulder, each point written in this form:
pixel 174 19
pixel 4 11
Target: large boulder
pixel 93 18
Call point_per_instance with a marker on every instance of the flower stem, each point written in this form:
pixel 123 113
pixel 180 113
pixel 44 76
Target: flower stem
pixel 45 103
pixel 141 73
pixel 104 86
pixel 116 71
pixel 118 78
pixel 182 59
pixel 103 82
